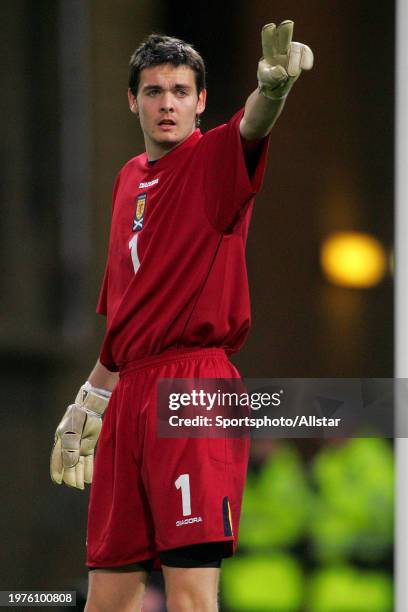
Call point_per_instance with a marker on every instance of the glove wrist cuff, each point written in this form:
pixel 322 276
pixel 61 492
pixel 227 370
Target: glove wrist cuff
pixel 93 399
pixel 269 93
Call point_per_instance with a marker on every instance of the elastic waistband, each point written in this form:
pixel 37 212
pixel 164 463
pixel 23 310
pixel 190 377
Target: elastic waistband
pixel 170 355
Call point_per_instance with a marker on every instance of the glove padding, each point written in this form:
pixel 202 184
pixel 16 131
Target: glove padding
pixel 76 437
pixel 282 61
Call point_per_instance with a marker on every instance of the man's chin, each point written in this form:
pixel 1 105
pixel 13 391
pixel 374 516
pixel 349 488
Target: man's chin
pixel 169 141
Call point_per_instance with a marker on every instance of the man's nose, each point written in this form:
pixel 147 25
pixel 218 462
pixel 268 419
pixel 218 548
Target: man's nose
pixel 167 102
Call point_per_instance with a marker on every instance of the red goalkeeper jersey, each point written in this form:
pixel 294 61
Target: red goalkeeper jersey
pixel 176 273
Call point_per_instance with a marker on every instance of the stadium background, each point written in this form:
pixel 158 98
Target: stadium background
pixel 317 522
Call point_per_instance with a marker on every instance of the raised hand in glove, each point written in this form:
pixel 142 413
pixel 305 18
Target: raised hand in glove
pixel 282 61
pixel 76 436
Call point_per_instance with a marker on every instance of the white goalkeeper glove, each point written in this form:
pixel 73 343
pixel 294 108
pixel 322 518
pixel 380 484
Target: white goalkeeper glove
pixel 282 61
pixel 76 437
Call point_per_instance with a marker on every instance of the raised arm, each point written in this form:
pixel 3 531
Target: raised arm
pixel 278 69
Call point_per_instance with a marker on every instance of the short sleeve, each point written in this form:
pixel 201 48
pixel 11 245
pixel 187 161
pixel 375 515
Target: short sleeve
pixel 227 184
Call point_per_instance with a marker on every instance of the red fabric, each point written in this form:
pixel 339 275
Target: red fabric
pixel 191 287
pixel 134 504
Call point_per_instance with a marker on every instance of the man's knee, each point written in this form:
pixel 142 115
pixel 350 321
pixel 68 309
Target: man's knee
pixel 186 600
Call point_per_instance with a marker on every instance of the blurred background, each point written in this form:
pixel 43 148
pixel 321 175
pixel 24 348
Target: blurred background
pixel 317 522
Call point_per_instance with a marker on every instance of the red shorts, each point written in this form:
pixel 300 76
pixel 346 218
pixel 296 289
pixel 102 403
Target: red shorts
pixel 151 494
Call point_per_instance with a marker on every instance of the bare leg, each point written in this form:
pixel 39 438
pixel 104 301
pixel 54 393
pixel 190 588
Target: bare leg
pixel 111 591
pixel 192 589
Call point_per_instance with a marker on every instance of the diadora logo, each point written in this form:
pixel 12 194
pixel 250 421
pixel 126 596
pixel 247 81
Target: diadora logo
pixel 148 183
pixel 189 521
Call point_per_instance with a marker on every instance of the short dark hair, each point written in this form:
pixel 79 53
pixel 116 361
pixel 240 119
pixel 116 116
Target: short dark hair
pixel 158 49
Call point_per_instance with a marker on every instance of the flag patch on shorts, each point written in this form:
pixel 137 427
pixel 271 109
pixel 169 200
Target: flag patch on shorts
pixel 226 515
pixel 139 212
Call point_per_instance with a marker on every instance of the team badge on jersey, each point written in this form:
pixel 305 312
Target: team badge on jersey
pixel 139 213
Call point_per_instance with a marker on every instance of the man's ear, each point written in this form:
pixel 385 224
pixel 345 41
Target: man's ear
pixel 201 102
pixel 132 103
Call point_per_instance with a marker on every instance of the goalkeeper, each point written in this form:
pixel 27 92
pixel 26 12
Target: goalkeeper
pixel 175 294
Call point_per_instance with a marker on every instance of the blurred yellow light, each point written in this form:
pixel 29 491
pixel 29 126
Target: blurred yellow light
pixel 353 259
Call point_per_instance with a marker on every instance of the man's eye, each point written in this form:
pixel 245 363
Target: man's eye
pixel 181 92
pixel 152 92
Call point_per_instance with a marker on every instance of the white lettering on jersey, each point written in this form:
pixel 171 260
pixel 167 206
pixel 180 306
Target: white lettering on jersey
pixel 189 521
pixel 148 184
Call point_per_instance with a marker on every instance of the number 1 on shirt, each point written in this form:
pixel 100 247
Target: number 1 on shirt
pixel 133 253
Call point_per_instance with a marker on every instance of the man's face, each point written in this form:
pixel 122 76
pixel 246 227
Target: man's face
pixel 167 103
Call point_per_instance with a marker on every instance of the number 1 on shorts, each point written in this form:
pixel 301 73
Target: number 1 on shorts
pixel 183 483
